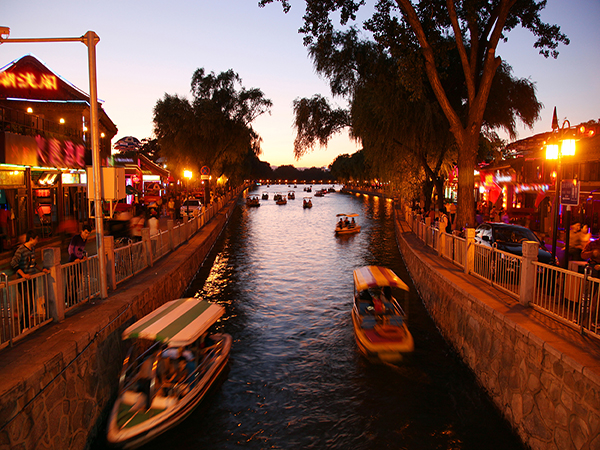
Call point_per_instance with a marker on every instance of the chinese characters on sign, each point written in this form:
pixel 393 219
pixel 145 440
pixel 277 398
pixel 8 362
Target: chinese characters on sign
pixel 28 80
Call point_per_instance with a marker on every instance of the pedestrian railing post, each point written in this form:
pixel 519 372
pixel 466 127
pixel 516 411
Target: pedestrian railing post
pixel 469 250
pixel 584 309
pixel 528 272
pixel 147 246
pixel 56 285
pixel 171 239
pixel 111 272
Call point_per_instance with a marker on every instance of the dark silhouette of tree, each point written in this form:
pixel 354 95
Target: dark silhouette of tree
pixel 214 129
pixel 423 37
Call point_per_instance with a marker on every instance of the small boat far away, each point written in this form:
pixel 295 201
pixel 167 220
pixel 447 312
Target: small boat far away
pixel 345 225
pixel 307 202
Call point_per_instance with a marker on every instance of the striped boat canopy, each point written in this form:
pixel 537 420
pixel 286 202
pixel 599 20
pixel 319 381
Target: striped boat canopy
pixel 176 323
pixel 376 276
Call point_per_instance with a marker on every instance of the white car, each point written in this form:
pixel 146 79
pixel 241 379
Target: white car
pixel 192 205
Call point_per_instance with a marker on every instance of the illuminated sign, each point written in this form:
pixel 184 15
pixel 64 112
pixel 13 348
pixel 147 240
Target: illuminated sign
pixel 70 178
pixel 28 80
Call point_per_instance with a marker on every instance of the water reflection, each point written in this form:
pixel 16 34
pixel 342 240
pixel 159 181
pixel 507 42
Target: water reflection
pixel 296 379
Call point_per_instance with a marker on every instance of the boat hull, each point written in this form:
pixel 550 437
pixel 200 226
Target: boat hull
pixel 161 420
pixel 388 343
pixel 351 230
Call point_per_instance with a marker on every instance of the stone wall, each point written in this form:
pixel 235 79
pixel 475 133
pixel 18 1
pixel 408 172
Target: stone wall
pixel 66 388
pixel 552 400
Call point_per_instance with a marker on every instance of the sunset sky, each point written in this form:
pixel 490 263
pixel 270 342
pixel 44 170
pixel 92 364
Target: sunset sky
pixel 149 48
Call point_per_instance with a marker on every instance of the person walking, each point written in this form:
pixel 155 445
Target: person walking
pixel 24 264
pixel 77 244
pixel 75 274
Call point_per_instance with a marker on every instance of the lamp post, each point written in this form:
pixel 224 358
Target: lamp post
pixel 90 39
pixel 187 174
pixel 557 147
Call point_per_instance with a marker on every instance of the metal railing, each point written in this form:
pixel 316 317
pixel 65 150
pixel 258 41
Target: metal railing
pixel 23 307
pixel 569 297
pixel 80 281
pixel 499 268
pixel 25 304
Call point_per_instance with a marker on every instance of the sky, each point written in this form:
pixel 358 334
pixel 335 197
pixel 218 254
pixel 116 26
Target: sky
pixel 149 48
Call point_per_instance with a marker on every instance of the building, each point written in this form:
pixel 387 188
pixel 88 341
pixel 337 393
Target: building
pixel 525 182
pixel 45 147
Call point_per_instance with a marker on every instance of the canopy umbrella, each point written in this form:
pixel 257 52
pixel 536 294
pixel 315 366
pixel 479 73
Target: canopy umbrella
pixel 176 323
pixel 376 276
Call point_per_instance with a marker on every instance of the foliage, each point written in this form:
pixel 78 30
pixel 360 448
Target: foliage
pixel 447 47
pixel 213 129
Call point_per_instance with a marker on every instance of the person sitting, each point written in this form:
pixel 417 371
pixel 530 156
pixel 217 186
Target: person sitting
pixel 352 223
pixel 346 223
pixel 340 224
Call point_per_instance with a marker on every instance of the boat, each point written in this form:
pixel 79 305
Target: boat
pixel 346 226
pixel 265 196
pixel 307 202
pixel 277 196
pixel 378 319
pixel 168 370
pixel 252 200
pixel 282 200
pixel 291 195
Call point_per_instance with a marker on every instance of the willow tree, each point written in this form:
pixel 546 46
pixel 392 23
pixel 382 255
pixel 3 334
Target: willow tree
pixel 213 129
pixel 417 34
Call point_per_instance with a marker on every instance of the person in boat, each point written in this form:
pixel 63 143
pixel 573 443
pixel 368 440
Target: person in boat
pixel 352 223
pixel 347 223
pixel 145 377
pixel 340 223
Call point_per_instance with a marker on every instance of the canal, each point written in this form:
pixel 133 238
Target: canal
pixel 295 378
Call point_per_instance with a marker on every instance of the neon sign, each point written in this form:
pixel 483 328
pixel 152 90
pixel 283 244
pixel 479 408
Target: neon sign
pixel 28 80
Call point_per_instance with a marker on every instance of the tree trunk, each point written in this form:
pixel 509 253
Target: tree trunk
pixel 427 191
pixel 467 159
pixel 439 187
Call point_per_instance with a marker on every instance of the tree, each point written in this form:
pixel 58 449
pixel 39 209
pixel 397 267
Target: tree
pixel 215 128
pixel 417 35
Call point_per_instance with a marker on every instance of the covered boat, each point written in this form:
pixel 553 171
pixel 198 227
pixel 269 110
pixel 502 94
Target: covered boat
pixel 378 319
pixel 307 202
pixel 252 200
pixel 168 370
pixel 346 224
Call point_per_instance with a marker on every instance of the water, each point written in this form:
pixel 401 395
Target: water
pixel 295 378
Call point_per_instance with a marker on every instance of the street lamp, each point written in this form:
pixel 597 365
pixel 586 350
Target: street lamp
pixel 188 175
pixel 90 39
pixel 558 146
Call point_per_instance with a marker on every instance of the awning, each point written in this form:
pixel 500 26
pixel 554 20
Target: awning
pixel 154 168
pixel 176 323
pixel 376 276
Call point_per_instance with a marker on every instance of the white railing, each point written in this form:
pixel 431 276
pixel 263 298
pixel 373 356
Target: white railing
pixel 80 281
pixel 570 297
pixel 25 305
pixel 500 268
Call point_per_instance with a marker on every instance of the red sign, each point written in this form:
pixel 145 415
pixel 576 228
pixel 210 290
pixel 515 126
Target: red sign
pixel 205 170
pixel 29 78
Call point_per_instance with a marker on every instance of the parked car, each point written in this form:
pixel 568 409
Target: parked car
pixel 509 238
pixel 194 206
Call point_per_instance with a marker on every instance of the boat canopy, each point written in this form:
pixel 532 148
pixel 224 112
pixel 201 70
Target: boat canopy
pixel 347 215
pixel 176 323
pixel 376 276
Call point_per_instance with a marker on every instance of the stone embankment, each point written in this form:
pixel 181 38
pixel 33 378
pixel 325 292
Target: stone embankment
pixel 57 385
pixel 544 377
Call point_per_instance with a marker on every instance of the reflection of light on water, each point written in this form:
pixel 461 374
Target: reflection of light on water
pixel 296 379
